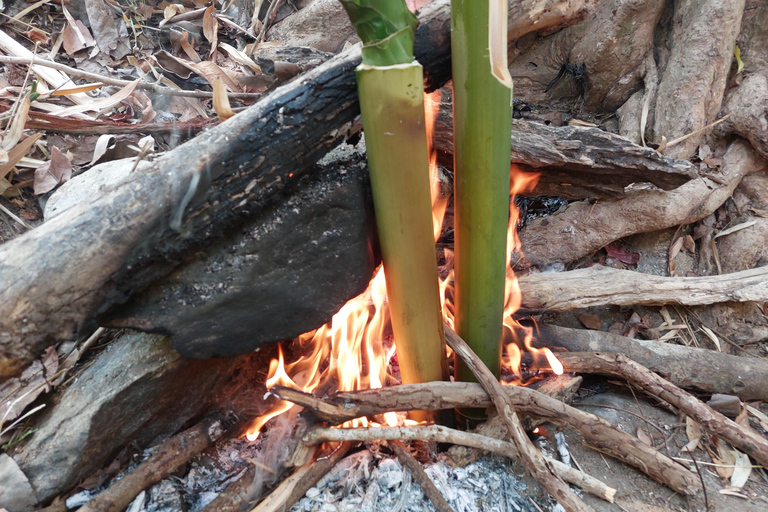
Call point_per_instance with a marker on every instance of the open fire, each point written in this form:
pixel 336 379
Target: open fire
pixel 352 352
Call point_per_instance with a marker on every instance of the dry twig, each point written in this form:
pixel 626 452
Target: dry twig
pixel 533 460
pixel 167 458
pixel 442 434
pixel 419 475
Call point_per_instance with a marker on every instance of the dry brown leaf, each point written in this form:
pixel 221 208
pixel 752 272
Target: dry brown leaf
pixel 712 336
pixel 591 321
pixel 101 104
pixel 693 432
pixel 17 153
pixel 3 156
pixel 103 143
pixel 38 36
pixel 726 458
pixel 187 47
pixel 211 27
pixel 75 35
pixel 674 250
pixel 16 394
pixel 737 227
pixel 79 88
pixel 240 57
pixel 644 438
pixel 17 124
pixel 206 69
pixel 108 30
pixel 221 101
pixel 689 244
pixel 52 173
pixel 762 418
pixel 743 420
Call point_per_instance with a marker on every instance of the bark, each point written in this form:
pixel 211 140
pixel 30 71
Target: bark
pixel 419 476
pixel 696 369
pixel 618 365
pixel 64 273
pixel 703 36
pixel 583 228
pixel 577 162
pixel 601 286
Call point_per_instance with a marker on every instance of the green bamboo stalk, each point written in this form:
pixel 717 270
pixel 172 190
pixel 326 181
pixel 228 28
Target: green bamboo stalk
pixel 390 86
pixel 482 117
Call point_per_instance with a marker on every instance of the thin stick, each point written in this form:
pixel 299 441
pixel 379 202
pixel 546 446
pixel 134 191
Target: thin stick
pixel 419 475
pixel 533 460
pixel 14 217
pixel 234 496
pixel 295 486
pixel 167 458
pixel 77 73
pixel 710 420
pixel 442 434
pixel 597 432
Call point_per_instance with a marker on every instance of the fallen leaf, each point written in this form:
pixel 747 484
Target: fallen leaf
pixel 693 432
pixel 623 255
pixel 102 145
pixel 108 30
pixel 13 135
pixel 674 249
pixel 101 104
pixel 689 244
pixel 56 171
pixel 17 153
pixel 644 438
pixel 38 36
pixel 221 101
pixel 188 48
pixel 762 418
pixel 742 470
pixel 742 419
pixel 726 460
pixel 17 393
pixel 712 336
pixel 211 27
pixel 737 227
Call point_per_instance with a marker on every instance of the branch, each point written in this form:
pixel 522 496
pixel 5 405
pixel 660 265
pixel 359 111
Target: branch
pixel 688 367
pixel 533 460
pixel 440 434
pixel 601 286
pixel 419 475
pixel 710 420
pixel 597 432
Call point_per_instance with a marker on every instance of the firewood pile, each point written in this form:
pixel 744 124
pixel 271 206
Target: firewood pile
pixel 183 184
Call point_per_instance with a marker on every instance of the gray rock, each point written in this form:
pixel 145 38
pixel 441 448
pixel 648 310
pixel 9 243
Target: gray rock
pixel 283 273
pixel 322 24
pixel 139 389
pixel 16 493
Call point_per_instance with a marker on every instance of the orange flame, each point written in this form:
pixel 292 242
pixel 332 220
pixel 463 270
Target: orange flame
pixel 520 182
pixel 350 352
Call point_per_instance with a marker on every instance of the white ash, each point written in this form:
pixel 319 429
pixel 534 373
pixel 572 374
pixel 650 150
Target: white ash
pixel 364 482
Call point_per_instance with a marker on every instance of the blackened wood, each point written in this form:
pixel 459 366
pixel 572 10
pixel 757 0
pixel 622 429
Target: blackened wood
pixel 578 162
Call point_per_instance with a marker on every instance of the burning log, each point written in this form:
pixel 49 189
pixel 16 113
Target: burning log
pixel 601 286
pixel 596 431
pixel 167 458
pixel 578 162
pixel 199 189
pixel 584 228
pixel 691 368
pixel 442 434
pixel 710 420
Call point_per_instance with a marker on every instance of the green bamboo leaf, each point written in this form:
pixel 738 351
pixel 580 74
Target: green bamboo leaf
pixel 387 29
